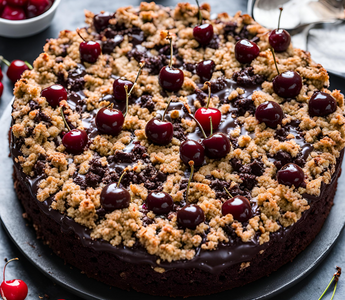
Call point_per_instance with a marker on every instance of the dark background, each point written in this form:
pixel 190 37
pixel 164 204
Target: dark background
pixel 70 15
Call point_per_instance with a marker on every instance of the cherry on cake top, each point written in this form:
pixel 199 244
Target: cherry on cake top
pixel 203 33
pixel 246 51
pixel 205 69
pixel 321 104
pixel 279 39
pixel 160 203
pixel 89 50
pixel 291 175
pixel 239 207
pixel 54 94
pixel 269 113
pixel 16 10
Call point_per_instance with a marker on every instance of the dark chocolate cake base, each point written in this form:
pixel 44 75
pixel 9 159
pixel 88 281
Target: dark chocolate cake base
pixel 108 268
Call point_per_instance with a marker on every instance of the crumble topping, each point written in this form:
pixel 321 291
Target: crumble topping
pixel 257 153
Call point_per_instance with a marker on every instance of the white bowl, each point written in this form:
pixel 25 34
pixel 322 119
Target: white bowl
pixel 18 29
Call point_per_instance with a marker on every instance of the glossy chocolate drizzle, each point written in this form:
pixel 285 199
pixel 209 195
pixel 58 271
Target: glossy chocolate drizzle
pixel 226 255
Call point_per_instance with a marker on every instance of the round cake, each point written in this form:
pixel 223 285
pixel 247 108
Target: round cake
pixel 163 151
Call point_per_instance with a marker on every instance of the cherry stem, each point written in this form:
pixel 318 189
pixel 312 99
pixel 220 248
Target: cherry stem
pixel 280 14
pixel 78 31
pixel 197 122
pixel 5 61
pixel 199 12
pixel 13 259
pixel 275 61
pixel 64 119
pixel 166 109
pixel 127 96
pixel 228 192
pixel 169 37
pixel 191 164
pixel 141 65
pixel 334 278
pixel 29 65
pixel 123 173
pixel 209 93
pixel 211 127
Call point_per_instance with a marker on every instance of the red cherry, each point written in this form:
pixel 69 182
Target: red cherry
pixel 13 13
pixel 239 207
pixel 37 7
pixel 119 91
pixel 203 33
pixel 269 113
pixel 16 69
pixel 205 69
pixel 89 51
pixel 190 216
pixel 217 146
pixel 1 89
pixel 54 94
pixel 290 175
pixel 287 84
pixel 75 141
pixel 14 289
pixel 279 39
pixel 3 3
pixel 101 21
pixel 159 132
pixel 322 104
pixel 114 197
pixel 17 2
pixel 203 116
pixel 246 51
pixel 1 75
pixel 171 79
pixel 192 150
pixel 109 121
pixel 160 203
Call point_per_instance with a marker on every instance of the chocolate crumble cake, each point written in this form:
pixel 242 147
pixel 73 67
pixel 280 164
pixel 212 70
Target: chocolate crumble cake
pixel 175 215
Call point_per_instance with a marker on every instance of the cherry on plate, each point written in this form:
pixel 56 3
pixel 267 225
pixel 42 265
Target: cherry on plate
pixel 322 104
pixel 114 197
pixel 109 121
pixel 246 51
pixel 191 150
pixel 239 207
pixel 75 141
pixel 13 13
pixel 269 113
pixel 160 203
pixel 54 94
pixel 290 175
pixel 190 216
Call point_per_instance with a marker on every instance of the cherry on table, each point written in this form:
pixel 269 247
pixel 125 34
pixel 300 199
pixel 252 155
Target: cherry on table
pixel 54 94
pixel 1 89
pixel 321 104
pixel 239 207
pixel 101 21
pixel 190 216
pixel 119 88
pixel 13 13
pixel 14 289
pixel 109 120
pixel 290 175
pixel 279 39
pixel 16 69
pixel 37 7
pixel 269 113
pixel 246 51
pixel 217 146
pixel 160 203
pixel 205 69
pixel 75 141
pixel 191 150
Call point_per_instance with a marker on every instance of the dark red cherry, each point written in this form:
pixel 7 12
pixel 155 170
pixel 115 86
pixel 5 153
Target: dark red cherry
pixel 203 33
pixel 269 113
pixel 239 207
pixel 1 88
pixel 89 51
pixel 114 197
pixel 205 69
pixel 159 202
pixel 119 91
pixel 109 121
pixel 192 150
pixel 75 141
pixel 16 69
pixel 322 104
pixel 279 39
pixel 101 21
pixel 13 13
pixel 54 94
pixel 217 146
pixel 246 51
pixel 17 2
pixel 38 7
pixel 3 3
pixel 287 84
pixel 159 132
pixel 203 115
pixel 290 175
pixel 171 79
pixel 190 216
pixel 14 289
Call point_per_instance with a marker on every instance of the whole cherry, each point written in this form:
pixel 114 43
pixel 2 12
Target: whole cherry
pixel 160 203
pixel 13 13
pixel 279 39
pixel 238 206
pixel 1 89
pixel 291 175
pixel 158 131
pixel 17 2
pixel 89 51
pixel 14 289
pixel 170 78
pixel 321 104
pixel 16 68
pixel 269 113
pixel 114 197
pixel 191 150
pixel 1 75
pixel 205 69
pixel 119 89
pixel 74 140
pixel 191 215
pixel 287 84
pixel 54 94
pixel 101 21
pixel 246 51
pixel 3 3
pixel 37 7
pixel 203 33
pixel 203 114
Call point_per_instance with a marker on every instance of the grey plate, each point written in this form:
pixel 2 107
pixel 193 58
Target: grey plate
pixel 52 266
